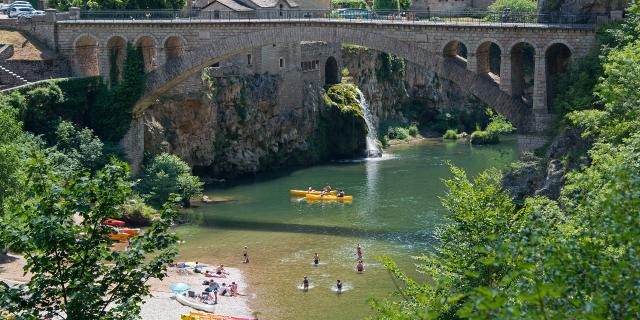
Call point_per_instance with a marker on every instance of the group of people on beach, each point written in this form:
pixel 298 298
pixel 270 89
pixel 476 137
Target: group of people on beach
pixel 316 261
pixel 213 287
pixel 326 191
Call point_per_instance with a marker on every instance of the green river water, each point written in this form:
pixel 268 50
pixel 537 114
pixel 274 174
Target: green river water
pixel 394 213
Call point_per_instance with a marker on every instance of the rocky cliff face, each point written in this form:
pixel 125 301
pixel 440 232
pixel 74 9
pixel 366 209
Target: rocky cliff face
pixel 409 92
pixel 239 129
pixel 583 10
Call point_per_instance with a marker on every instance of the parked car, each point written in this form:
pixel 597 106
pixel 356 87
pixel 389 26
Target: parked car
pixel 354 13
pixel 18 4
pixel 16 10
pixel 29 14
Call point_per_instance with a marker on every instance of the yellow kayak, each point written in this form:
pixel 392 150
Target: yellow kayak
pixel 303 193
pixel 328 198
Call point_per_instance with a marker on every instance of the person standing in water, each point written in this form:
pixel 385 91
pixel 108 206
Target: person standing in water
pixel 316 259
pixel 305 283
pixel 339 286
pixel 360 266
pixel 245 255
pixel 359 251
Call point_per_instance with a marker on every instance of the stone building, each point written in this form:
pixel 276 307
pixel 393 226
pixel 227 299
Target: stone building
pixel 453 6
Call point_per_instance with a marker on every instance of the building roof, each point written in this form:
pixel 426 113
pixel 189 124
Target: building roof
pixel 273 3
pixel 231 4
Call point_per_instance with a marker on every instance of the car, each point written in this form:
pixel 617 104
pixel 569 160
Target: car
pixel 350 13
pixel 30 14
pixel 15 11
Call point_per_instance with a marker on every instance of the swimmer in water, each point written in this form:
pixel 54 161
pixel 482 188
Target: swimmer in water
pixel 360 266
pixel 305 283
pixel 245 255
pixel 316 259
pixel 359 251
pixel 339 286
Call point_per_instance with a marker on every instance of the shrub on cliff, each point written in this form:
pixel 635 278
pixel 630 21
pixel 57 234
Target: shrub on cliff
pixel 450 135
pixel 167 174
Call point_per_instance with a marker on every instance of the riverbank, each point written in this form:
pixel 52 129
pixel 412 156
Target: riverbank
pixel 161 305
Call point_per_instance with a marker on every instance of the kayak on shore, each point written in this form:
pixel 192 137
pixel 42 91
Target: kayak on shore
pixel 130 231
pixel 122 237
pixel 328 197
pixel 193 303
pixel 196 315
pixel 303 193
pixel 114 222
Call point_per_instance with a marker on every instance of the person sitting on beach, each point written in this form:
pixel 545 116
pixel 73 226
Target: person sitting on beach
pixel 316 259
pixel 340 194
pixel 339 286
pixel 234 289
pixel 305 283
pixel 360 266
pixel 223 289
pixel 220 270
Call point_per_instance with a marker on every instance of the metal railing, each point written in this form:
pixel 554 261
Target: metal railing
pixel 355 15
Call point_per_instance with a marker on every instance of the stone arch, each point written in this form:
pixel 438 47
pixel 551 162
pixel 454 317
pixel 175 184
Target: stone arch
pixel 174 46
pixel 116 54
pixel 331 72
pixel 489 59
pixel 147 45
pixel 456 49
pixel 522 71
pixel 87 55
pixel 168 75
pixel 557 57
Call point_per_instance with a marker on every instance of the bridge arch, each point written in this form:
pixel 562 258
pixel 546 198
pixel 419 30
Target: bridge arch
pixel 523 64
pixel 149 48
pixel 168 75
pixel 331 71
pixel 489 58
pixel 87 55
pixel 116 53
pixel 558 56
pixel 456 49
pixel 174 46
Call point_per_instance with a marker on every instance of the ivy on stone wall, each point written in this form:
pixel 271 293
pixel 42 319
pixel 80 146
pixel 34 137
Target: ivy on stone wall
pixel 390 66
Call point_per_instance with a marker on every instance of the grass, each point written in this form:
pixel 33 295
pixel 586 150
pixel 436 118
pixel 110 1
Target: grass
pixel 25 48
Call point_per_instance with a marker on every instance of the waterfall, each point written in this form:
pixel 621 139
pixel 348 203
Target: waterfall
pixel 373 151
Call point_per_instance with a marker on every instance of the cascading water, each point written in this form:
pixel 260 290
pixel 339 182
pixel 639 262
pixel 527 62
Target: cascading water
pixel 373 151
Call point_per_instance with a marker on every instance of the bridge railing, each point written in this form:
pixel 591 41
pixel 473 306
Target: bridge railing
pixel 390 16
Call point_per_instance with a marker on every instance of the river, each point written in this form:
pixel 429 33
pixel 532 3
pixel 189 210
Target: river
pixel 394 213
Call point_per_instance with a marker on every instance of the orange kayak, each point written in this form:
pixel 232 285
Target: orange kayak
pixel 303 193
pixel 130 231
pixel 328 198
pixel 122 237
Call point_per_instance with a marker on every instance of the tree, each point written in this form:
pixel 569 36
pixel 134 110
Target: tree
pixel 77 149
pixel 167 174
pixel 10 163
pixel 75 274
pixel 392 4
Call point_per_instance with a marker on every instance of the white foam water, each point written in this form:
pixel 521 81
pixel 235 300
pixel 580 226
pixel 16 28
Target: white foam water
pixel 373 151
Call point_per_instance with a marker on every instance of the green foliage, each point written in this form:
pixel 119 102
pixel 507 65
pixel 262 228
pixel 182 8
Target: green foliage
pixel 354 4
pixel 344 72
pixel 64 5
pixel 574 258
pixel 575 87
pixel 519 6
pixel 77 149
pixel 137 213
pixel 397 133
pixel 392 4
pixel 413 129
pixel 450 135
pixel 74 272
pixel 353 49
pixel 167 174
pixel 391 67
pixel 491 134
pixel 10 160
pixel 484 137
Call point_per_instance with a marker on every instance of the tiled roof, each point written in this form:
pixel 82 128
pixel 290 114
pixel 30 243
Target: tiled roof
pixel 273 3
pixel 231 4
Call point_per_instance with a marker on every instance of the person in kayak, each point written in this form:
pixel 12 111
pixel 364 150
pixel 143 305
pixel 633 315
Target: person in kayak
pixel 339 286
pixel 310 189
pixel 305 283
pixel 360 266
pixel 340 194
pixel 316 259
pixel 327 188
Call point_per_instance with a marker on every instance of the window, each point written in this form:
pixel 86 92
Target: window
pixel 216 65
pixel 249 59
pixel 281 62
pixel 281 7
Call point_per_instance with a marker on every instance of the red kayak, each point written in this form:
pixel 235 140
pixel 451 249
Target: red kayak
pixel 113 222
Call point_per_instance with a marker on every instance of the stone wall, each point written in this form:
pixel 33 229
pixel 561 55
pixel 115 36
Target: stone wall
pixel 39 69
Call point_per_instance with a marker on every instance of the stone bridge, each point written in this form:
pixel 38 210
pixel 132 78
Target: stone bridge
pixel 460 52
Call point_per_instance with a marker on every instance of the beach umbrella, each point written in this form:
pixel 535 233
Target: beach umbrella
pixel 179 287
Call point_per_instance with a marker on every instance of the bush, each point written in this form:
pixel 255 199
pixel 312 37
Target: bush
pixel 167 174
pixel 519 6
pixel 484 137
pixel 498 124
pixel 450 135
pixel 344 72
pixel 392 4
pixel 137 213
pixel 398 133
pixel 413 130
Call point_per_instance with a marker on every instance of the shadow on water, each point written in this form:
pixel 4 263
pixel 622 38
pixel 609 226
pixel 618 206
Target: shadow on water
pixel 422 237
